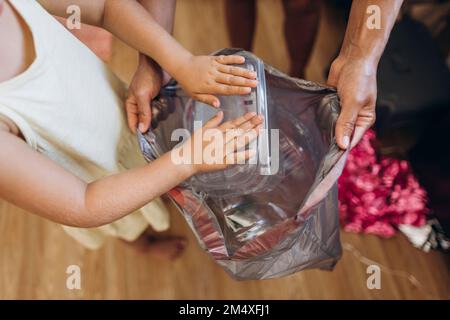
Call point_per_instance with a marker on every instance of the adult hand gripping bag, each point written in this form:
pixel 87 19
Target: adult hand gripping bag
pixel 278 214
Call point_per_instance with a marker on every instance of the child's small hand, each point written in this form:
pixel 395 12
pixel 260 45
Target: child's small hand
pixel 202 77
pixel 215 146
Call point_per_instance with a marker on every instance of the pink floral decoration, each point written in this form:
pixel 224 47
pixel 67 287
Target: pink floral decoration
pixel 377 193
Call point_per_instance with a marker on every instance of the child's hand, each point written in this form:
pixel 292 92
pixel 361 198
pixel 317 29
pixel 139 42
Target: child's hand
pixel 204 76
pixel 216 146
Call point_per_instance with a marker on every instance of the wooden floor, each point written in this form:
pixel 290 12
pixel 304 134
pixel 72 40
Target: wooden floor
pixel 34 253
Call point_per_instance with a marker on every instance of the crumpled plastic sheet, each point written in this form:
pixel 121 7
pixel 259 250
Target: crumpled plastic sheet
pixel 289 221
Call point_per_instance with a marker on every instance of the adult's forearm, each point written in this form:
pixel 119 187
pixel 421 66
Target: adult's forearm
pixel 362 42
pixel 354 71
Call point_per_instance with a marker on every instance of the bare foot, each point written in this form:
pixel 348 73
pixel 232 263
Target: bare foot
pixel 165 247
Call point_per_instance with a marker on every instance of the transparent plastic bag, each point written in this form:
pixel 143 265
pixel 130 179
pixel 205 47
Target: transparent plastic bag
pixel 279 214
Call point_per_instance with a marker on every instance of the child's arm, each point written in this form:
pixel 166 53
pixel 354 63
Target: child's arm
pixel 35 183
pixel 200 76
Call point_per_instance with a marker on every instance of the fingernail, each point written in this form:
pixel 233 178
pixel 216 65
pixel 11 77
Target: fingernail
pixel 141 127
pixel 345 141
pixel 220 113
pixel 216 104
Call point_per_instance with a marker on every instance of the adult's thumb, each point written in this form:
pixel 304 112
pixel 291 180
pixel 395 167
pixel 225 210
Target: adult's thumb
pixel 345 126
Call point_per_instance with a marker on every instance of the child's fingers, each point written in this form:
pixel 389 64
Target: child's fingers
pixel 242 128
pixel 224 89
pixel 252 123
pixel 240 157
pixel 237 71
pixel 233 59
pixel 208 99
pixel 236 80
pixel 230 136
pixel 239 142
pixel 214 121
pixel 247 138
pixel 241 139
pixel 231 124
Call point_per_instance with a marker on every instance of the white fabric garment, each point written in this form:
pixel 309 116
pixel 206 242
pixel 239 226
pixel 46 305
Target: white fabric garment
pixel 69 107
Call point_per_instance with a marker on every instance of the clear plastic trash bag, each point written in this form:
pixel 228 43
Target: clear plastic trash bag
pixel 279 214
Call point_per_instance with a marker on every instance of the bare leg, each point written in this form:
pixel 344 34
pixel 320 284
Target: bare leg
pixel 300 28
pixel 240 15
pixel 160 245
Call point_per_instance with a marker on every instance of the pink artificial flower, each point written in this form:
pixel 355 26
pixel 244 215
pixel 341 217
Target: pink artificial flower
pixel 377 193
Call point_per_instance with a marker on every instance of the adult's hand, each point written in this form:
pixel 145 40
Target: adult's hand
pixel 356 84
pixel 353 73
pixel 144 87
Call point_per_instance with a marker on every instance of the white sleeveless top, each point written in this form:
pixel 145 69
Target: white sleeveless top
pixel 69 107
